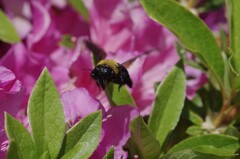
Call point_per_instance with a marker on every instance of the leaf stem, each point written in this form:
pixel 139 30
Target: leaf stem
pixel 222 114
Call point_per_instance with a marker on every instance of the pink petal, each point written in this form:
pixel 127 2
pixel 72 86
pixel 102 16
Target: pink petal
pixel 155 68
pixel 41 22
pixel 215 19
pixel 11 98
pixel 79 103
pixel 59 3
pixel 198 79
pixel 23 26
pixel 77 26
pixel 81 70
pixel 6 76
pixel 26 68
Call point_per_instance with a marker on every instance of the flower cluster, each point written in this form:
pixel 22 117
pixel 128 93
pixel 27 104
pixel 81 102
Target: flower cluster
pixel 120 27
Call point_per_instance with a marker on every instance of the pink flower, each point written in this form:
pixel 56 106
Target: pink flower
pixel 26 68
pixel 126 26
pixel 39 47
pixel 121 28
pixel 11 97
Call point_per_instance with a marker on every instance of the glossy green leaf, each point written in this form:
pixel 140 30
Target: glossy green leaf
pixel 168 104
pixel 119 96
pixel 191 154
pixel 46 116
pixel 234 23
pixel 210 144
pixel 20 139
pixel 82 139
pixel 7 31
pixel 80 7
pixel 109 154
pixel 143 141
pixel 190 30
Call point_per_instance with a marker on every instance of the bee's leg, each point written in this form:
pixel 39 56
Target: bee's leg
pixel 97 82
pixel 119 86
pixel 102 83
pixel 105 83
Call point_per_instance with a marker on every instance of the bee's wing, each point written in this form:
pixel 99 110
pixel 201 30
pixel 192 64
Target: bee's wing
pixel 98 53
pixel 130 61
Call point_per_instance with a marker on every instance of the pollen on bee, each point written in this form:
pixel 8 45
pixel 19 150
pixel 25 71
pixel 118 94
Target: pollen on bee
pixel 113 64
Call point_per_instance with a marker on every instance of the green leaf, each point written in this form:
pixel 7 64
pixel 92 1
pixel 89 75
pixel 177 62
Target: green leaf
pixel 119 97
pixel 7 31
pixel 223 39
pixel 190 30
pixel 210 144
pixel 168 104
pixel 82 139
pixel 209 149
pixel 20 139
pixel 13 151
pixel 234 23
pixel 46 116
pixel 190 154
pixel 80 7
pixel 232 131
pixel 45 155
pixel 143 141
pixel 109 154
pixel 195 118
pixel 194 130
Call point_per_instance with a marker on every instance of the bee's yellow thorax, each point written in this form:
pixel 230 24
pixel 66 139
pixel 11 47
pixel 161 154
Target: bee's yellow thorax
pixel 113 64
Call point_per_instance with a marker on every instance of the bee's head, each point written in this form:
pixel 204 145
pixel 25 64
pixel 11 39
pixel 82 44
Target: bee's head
pixel 96 73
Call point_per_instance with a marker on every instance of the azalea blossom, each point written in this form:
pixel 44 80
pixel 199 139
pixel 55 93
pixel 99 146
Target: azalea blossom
pixel 119 27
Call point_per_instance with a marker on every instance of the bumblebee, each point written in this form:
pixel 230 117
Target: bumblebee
pixel 107 71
